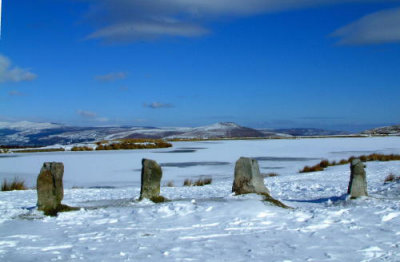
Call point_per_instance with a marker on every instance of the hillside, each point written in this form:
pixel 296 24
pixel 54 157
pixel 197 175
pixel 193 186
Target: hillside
pixel 219 130
pixel 386 130
pixel 43 134
pixel 310 132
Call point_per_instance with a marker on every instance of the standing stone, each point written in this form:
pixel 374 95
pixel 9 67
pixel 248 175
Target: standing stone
pixel 50 186
pixel 358 179
pixel 248 180
pixel 151 180
pixel 50 189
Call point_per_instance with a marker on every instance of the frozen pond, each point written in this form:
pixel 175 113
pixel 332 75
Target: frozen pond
pixel 192 159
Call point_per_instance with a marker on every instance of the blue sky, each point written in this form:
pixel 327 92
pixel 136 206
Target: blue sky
pixel 260 63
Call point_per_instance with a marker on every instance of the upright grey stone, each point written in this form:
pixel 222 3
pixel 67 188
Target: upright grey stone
pixel 358 179
pixel 50 189
pixel 151 180
pixel 248 180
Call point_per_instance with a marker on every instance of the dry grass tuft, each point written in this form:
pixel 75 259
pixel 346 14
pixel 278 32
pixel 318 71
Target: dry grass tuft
pixel 364 158
pixel 16 184
pixel 270 175
pixel 203 181
pixel 391 178
pixel 81 148
pixel 308 169
pixel 131 143
pixel 40 150
pixel 169 184
pixel 187 182
pixel 199 182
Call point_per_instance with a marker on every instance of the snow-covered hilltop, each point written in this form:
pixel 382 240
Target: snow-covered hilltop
pixel 29 133
pixel 386 130
pixel 27 126
pixel 219 130
pixel 43 134
pixel 21 133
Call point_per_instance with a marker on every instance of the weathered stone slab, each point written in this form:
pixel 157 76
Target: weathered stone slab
pixel 358 179
pixel 151 181
pixel 248 180
pixel 50 189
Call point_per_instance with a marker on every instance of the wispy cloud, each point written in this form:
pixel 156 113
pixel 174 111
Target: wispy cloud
pixel 147 30
pixel 91 116
pixel 377 28
pixel 15 93
pixel 111 77
pixel 123 20
pixel 158 105
pixel 9 73
pixel 86 114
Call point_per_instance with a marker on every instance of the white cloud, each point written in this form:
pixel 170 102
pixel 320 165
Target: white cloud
pixel 91 116
pixel 9 73
pixel 148 30
pixel 86 114
pixel 377 28
pixel 158 105
pixel 111 77
pixel 131 20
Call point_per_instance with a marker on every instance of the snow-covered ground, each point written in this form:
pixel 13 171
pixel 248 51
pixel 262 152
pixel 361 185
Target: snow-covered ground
pixel 207 223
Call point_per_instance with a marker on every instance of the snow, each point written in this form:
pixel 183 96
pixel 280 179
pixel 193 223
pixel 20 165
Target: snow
pixel 207 223
pixel 214 130
pixel 24 125
pixel 220 126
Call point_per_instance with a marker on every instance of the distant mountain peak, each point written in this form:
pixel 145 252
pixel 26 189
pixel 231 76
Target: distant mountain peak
pixel 222 125
pixel 230 124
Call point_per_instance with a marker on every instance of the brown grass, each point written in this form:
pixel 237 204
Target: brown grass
pixel 391 178
pixel 199 182
pixel 44 150
pixel 187 182
pixel 364 158
pixel 81 148
pixel 270 175
pixel 169 184
pixel 203 181
pixel 124 144
pixel 16 184
pixel 308 169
